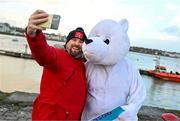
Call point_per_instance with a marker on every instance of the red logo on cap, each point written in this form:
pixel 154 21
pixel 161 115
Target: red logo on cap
pixel 79 35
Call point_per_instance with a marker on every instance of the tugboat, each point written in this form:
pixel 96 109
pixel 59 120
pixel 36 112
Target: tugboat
pixel 161 72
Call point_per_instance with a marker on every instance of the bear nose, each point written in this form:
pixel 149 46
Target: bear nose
pixel 88 41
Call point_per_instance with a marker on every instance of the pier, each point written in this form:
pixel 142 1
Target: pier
pixel 16 54
pixel 28 56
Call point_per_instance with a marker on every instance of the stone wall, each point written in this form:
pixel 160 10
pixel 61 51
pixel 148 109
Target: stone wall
pixel 18 106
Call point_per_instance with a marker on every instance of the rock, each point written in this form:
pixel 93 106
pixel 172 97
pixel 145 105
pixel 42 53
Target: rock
pixel 19 97
pixel 148 113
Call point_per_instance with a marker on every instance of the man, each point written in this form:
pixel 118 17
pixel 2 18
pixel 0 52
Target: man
pixel 63 83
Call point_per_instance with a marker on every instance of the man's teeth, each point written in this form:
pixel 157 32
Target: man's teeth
pixel 75 48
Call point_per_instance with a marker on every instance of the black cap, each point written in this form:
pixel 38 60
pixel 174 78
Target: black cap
pixel 77 33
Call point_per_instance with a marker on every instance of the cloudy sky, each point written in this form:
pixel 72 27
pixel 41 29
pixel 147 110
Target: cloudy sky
pixel 152 23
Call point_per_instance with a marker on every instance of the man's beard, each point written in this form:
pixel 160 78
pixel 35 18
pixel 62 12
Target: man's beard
pixel 75 53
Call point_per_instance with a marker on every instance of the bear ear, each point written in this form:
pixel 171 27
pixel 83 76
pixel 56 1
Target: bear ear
pixel 124 24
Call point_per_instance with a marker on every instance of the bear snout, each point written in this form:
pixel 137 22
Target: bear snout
pixel 88 41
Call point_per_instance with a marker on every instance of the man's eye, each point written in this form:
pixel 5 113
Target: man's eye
pixel 107 41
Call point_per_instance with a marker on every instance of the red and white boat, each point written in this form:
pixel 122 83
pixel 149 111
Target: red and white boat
pixel 161 72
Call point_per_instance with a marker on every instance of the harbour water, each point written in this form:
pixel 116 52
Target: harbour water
pixel 17 74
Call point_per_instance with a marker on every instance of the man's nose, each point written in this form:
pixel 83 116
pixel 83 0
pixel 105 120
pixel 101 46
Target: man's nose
pixel 78 43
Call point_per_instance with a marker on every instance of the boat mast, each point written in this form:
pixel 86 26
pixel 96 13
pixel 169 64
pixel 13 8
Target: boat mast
pixel 157 62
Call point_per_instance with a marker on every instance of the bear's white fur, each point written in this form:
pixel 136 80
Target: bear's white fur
pixel 112 80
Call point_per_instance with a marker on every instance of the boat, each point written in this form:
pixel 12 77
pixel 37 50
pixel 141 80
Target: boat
pixel 162 73
pixel 15 40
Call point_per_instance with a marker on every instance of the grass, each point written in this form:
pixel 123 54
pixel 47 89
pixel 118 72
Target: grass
pixel 3 95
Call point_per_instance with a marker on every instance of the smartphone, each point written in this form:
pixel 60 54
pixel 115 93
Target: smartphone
pixel 52 23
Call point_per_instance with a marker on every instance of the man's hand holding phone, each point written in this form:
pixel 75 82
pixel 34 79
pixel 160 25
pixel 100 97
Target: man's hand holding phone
pixel 40 20
pixel 52 23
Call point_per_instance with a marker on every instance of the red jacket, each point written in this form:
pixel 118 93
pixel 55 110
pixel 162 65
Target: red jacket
pixel 63 83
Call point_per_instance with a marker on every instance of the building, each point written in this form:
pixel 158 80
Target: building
pixel 4 27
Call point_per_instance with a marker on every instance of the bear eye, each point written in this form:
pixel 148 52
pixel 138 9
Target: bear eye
pixel 107 41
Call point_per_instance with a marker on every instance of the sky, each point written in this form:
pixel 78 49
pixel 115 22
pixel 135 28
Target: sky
pixel 152 23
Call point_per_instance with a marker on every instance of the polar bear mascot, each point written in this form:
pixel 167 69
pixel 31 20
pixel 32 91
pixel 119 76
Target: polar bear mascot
pixel 115 87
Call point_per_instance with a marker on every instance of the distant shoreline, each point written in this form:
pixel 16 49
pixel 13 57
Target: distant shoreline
pixel 132 49
pixel 29 56
pixel 23 35
pixel 155 52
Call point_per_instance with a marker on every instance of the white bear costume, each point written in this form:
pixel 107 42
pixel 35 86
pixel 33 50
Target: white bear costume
pixel 112 80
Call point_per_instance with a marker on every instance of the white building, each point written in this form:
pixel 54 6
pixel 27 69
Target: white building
pixel 4 27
